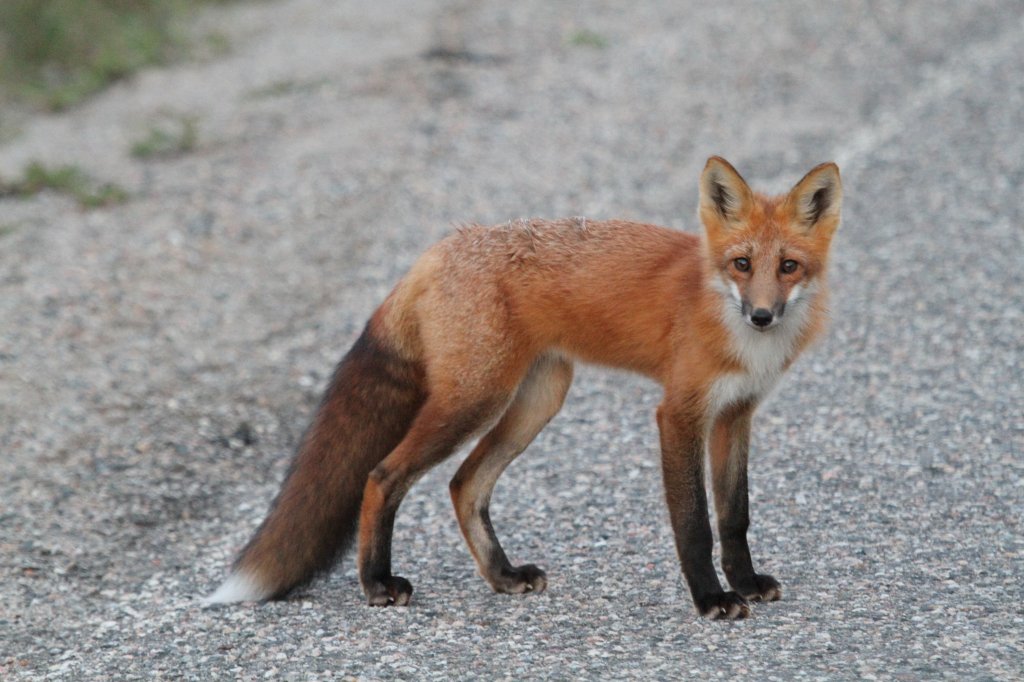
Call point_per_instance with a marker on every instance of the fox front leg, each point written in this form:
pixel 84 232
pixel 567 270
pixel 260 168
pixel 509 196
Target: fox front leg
pixel 730 442
pixel 682 458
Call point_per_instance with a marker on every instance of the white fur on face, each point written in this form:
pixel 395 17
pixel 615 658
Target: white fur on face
pixel 734 291
pixel 794 293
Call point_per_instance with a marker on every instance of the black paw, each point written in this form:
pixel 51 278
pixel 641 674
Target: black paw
pixel 527 578
pixel 759 587
pixel 388 591
pixel 723 606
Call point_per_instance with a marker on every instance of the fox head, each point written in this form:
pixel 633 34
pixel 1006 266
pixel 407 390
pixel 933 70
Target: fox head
pixel 767 253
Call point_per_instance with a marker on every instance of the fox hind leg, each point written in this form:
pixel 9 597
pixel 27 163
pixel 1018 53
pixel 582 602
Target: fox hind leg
pixel 435 433
pixel 538 398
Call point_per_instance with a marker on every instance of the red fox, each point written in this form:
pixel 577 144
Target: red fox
pixel 479 338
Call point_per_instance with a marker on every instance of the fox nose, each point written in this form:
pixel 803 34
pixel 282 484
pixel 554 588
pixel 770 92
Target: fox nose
pixel 761 317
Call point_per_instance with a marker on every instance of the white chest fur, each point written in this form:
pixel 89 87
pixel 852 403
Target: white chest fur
pixel 737 387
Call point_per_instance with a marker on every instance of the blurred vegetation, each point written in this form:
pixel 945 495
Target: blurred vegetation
pixel 585 38
pixel 54 53
pixel 70 180
pixel 173 137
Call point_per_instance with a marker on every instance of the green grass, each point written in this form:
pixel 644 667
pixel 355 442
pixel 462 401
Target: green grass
pixel 285 87
pixel 585 38
pixel 176 136
pixel 54 53
pixel 70 180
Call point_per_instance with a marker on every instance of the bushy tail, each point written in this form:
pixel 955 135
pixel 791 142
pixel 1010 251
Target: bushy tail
pixel 367 409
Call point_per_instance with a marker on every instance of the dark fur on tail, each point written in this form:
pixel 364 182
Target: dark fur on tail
pixel 367 409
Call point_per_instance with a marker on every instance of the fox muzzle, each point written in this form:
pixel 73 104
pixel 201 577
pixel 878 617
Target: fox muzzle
pixel 761 318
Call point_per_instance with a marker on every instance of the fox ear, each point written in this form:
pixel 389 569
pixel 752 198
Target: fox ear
pixel 725 197
pixel 815 202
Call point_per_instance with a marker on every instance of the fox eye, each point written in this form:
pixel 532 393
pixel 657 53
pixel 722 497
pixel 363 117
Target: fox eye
pixel 742 264
pixel 789 266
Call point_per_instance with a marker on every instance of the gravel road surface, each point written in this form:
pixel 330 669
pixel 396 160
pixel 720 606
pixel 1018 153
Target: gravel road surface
pixel 159 359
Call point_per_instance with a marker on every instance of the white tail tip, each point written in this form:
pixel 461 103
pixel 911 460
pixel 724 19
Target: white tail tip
pixel 239 586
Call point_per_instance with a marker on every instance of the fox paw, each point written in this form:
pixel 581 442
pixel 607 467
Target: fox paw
pixel 759 587
pixel 391 590
pixel 526 578
pixel 723 606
